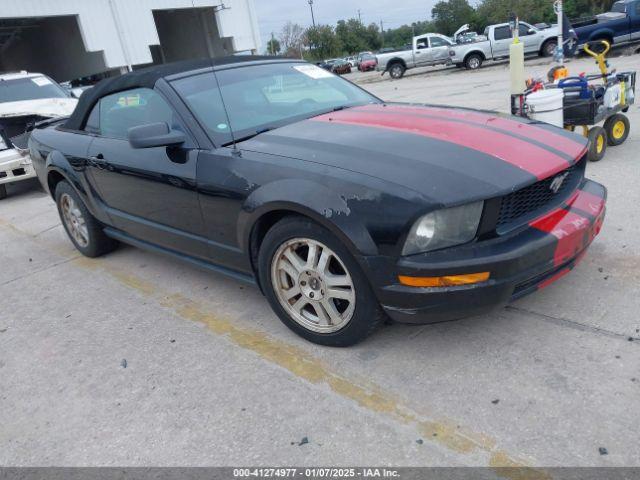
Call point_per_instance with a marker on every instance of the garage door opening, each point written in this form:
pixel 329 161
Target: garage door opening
pixel 49 45
pixel 188 33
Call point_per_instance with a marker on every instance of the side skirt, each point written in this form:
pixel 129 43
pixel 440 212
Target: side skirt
pixel 124 238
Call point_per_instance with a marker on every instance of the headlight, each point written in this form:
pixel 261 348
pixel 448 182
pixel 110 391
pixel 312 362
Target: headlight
pixel 444 228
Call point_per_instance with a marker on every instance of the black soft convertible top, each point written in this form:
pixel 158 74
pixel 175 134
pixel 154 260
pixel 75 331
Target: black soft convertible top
pixel 145 78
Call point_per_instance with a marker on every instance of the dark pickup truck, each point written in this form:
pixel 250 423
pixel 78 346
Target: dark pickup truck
pixel 619 26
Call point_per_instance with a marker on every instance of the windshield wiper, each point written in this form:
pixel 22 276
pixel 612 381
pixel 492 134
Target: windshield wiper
pixel 249 136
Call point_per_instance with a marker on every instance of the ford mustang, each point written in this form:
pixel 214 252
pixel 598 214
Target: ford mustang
pixel 344 210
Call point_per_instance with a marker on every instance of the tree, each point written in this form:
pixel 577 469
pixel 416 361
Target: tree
pixel 449 15
pixel 401 36
pixel 499 11
pixel 273 46
pixel 322 42
pixel 291 39
pixel 351 34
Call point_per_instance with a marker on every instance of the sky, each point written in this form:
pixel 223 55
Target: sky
pixel 273 14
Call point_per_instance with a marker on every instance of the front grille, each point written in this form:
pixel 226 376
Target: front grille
pixel 524 202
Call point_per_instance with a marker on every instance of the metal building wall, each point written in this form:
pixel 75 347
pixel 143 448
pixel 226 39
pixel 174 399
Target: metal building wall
pixel 137 28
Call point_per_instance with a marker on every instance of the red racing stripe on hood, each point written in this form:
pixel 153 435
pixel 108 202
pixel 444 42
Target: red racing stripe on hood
pixel 560 142
pixel 527 156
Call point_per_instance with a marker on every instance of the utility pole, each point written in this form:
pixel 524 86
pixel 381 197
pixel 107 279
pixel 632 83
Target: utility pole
pixel 313 20
pixel 559 53
pixel 272 44
pixel 382 31
pixel 359 16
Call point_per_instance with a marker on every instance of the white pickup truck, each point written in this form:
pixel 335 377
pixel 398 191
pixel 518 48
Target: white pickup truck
pixel 536 41
pixel 428 49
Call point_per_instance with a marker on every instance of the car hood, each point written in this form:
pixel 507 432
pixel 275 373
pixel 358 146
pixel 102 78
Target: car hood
pixel 44 107
pixel 449 155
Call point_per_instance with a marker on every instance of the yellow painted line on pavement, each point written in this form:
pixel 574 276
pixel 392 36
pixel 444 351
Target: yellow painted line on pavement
pixel 298 362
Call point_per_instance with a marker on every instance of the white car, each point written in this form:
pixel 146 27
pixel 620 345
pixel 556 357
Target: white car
pixel 25 99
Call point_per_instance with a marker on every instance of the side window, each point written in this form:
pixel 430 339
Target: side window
pixel 439 42
pixel 523 30
pixel 422 43
pixel 93 122
pixel 502 33
pixel 132 108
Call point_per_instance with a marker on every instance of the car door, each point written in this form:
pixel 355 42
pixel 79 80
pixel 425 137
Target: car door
pixel 633 16
pixel 501 41
pixel 439 49
pixel 149 193
pixel 530 37
pixel 421 53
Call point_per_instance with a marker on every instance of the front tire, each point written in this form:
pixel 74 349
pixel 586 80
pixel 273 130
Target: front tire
pixel 315 285
pixel 85 232
pixel 549 48
pixel 3 192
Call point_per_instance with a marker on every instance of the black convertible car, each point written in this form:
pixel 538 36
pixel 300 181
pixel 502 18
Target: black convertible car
pixel 343 209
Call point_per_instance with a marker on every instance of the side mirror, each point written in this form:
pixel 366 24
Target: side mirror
pixel 531 31
pixel 154 135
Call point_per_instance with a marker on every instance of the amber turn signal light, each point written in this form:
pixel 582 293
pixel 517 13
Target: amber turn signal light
pixel 446 281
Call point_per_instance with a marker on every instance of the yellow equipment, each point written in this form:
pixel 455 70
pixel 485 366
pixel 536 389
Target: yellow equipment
pixel 600 57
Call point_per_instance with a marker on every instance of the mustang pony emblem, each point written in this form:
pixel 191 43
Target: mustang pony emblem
pixel 557 182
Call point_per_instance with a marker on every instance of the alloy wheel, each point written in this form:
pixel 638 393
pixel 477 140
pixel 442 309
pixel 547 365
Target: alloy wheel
pixel 474 62
pixel 313 285
pixel 74 220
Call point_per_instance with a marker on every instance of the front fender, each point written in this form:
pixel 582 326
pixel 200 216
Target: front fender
pixel 316 201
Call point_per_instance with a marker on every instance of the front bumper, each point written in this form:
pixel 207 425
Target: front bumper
pixel 15 166
pixel 520 263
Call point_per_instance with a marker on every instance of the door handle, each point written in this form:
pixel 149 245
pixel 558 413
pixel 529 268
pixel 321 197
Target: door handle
pixel 97 161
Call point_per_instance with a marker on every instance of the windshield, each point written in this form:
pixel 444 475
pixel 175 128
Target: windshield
pixel 619 7
pixel 262 97
pixel 29 89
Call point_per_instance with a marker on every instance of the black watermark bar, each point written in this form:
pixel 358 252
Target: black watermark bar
pixel 313 473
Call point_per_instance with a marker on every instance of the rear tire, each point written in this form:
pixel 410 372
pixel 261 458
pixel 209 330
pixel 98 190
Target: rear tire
pixel 84 231
pixel 617 128
pixel 597 143
pixel 330 301
pixel 3 191
pixel 473 61
pixel 396 71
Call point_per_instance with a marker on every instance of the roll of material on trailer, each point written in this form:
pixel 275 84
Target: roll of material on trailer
pixel 516 67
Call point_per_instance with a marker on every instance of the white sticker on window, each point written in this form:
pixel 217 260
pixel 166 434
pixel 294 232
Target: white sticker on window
pixel 313 71
pixel 41 81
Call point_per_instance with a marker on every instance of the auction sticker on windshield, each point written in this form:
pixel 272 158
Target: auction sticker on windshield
pixel 41 81
pixel 313 71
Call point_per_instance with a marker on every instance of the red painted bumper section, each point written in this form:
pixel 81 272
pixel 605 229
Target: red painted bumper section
pixel 520 263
